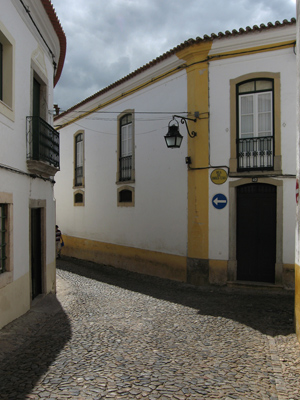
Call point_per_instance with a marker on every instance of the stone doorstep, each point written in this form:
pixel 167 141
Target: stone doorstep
pixel 256 285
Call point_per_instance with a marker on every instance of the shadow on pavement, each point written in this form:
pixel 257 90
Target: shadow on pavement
pixel 270 312
pixel 29 345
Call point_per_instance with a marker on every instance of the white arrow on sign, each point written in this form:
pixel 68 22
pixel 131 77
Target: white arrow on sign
pixel 217 201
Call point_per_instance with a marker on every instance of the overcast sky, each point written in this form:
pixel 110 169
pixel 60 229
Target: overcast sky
pixel 107 40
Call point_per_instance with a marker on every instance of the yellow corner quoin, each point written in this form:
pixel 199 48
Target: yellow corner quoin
pixel 196 58
pixel 297 300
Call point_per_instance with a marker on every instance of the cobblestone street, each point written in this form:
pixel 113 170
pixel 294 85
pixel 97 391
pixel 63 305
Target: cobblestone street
pixel 112 334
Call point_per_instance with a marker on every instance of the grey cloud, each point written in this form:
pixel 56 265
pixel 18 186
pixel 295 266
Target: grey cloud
pixel 106 41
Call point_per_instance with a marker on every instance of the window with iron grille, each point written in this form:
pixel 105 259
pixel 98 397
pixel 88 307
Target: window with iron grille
pixel 3 237
pixel 255 141
pixel 126 148
pixel 78 160
pixel 79 198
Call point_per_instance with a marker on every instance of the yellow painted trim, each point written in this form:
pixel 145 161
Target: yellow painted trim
pixel 50 278
pixel 198 149
pixel 218 272
pixel 14 300
pixel 137 260
pixel 252 50
pixel 297 300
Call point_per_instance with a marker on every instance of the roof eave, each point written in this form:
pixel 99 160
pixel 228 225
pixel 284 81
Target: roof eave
pixel 61 37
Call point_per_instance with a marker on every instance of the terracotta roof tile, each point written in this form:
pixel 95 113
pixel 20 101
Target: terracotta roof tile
pixel 61 36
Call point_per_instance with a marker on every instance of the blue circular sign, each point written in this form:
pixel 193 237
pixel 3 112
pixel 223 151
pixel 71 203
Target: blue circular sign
pixel 219 201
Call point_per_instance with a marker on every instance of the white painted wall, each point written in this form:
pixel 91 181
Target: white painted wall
pixel 158 221
pixel 13 132
pixel 220 73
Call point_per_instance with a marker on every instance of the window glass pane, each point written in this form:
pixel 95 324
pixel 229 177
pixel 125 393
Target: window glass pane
pixel 247 126
pixel 125 196
pixel 263 85
pixel 79 154
pixel 127 119
pixel 264 114
pixel 246 116
pixel 126 140
pixel 264 102
pixel 247 104
pixel 246 87
pixel 78 198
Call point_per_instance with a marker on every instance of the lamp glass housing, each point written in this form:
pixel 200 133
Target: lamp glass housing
pixel 173 138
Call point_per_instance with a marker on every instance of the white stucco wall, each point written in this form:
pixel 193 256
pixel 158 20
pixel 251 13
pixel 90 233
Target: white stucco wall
pixel 28 52
pixel 158 221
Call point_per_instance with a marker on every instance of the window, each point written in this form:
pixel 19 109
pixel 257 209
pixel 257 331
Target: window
pixel 79 198
pixel 125 167
pixel 3 237
pixel 6 73
pixel 126 196
pixel 78 170
pixel 255 126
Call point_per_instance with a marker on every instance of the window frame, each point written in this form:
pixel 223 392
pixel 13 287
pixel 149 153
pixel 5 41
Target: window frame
pixel 255 95
pixel 126 203
pixel 131 153
pixel 79 204
pixel 7 97
pixel 234 122
pixel 75 183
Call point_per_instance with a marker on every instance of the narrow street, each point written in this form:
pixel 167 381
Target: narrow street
pixel 113 334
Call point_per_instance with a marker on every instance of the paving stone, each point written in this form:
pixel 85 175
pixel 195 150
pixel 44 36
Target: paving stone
pixel 113 334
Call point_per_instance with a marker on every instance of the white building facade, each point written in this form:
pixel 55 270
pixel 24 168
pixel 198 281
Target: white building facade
pixel 219 209
pixel 33 48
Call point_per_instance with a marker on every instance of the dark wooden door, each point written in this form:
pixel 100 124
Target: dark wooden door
pixel 256 232
pixel 36 252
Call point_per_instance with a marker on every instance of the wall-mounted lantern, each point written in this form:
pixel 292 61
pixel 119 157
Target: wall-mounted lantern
pixel 173 138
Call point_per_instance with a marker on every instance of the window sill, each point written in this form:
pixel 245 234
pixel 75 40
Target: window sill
pixel 254 173
pixel 7 111
pixel 125 182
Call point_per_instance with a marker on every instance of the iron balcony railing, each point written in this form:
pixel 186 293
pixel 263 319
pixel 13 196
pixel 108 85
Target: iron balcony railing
pixel 125 168
pixel 255 153
pixel 42 142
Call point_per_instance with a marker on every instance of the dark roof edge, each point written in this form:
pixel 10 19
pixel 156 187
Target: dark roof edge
pixel 61 37
pixel 175 50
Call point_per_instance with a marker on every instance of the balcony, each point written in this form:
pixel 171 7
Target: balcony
pixel 255 153
pixel 42 147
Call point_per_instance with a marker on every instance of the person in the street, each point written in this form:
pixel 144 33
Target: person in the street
pixel 59 242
